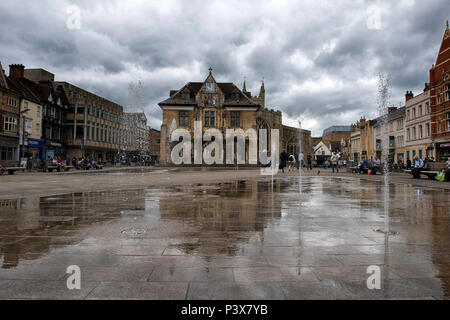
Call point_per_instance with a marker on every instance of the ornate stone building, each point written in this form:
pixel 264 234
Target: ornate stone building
pixel 222 105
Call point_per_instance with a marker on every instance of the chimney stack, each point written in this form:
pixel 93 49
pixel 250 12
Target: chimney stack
pixel 391 109
pixel 409 95
pixel 16 71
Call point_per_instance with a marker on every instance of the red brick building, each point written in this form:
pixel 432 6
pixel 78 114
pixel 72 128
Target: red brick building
pixel 440 99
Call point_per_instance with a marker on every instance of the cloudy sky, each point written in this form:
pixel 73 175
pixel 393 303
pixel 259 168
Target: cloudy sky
pixel 320 59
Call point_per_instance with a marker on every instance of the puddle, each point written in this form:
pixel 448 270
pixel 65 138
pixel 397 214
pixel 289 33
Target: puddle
pixel 241 224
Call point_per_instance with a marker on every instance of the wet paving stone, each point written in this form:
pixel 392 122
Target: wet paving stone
pixel 192 274
pixel 421 270
pixel 265 274
pixel 235 240
pixel 234 291
pixel 109 274
pixel 358 272
pixel 309 290
pixel 31 272
pixel 3 282
pixel 42 289
pixel 140 291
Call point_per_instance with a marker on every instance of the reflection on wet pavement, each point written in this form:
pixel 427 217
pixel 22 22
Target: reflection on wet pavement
pixel 242 240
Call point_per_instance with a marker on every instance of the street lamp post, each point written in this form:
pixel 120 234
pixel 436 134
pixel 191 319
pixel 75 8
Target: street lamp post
pixel 22 132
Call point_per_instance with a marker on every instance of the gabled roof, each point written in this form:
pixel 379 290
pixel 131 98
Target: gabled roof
pixel 26 93
pixel 193 88
pixel 43 89
pixel 444 46
pixel 176 98
pixel 321 145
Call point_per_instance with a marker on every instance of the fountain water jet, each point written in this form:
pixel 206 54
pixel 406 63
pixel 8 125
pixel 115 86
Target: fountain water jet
pixel 300 158
pixel 383 104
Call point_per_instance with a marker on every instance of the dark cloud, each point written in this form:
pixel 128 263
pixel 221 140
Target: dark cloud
pixel 319 59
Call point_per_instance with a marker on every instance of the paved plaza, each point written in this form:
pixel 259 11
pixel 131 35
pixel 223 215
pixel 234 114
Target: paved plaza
pixel 171 233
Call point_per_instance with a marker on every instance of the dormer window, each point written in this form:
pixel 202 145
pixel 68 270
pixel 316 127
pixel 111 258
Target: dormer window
pixel 235 96
pixel 185 96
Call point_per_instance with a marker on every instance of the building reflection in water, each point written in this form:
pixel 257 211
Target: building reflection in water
pixel 229 218
pixel 31 227
pixel 225 216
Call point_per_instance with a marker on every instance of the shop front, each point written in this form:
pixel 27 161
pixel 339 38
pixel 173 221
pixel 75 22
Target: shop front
pixel 443 151
pixel 54 149
pixel 34 148
pixel 9 149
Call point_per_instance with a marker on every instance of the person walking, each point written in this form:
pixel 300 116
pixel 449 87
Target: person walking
pixel 301 158
pixel 291 162
pixel 334 162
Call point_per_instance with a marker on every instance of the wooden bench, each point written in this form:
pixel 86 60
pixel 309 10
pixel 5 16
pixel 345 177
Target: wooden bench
pixel 52 167
pixel 430 169
pixel 365 170
pixel 11 170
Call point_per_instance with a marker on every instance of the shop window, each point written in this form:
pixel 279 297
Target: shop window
pixel 6 153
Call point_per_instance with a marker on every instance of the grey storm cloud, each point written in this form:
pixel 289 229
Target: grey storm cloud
pixel 319 59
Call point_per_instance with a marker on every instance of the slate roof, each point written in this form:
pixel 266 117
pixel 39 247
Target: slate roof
pixel 227 88
pixel 43 89
pixel 26 93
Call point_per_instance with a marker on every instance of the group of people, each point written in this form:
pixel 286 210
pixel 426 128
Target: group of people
pixel 291 163
pixel 368 167
pixel 84 163
pixel 418 165
pixel 337 162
